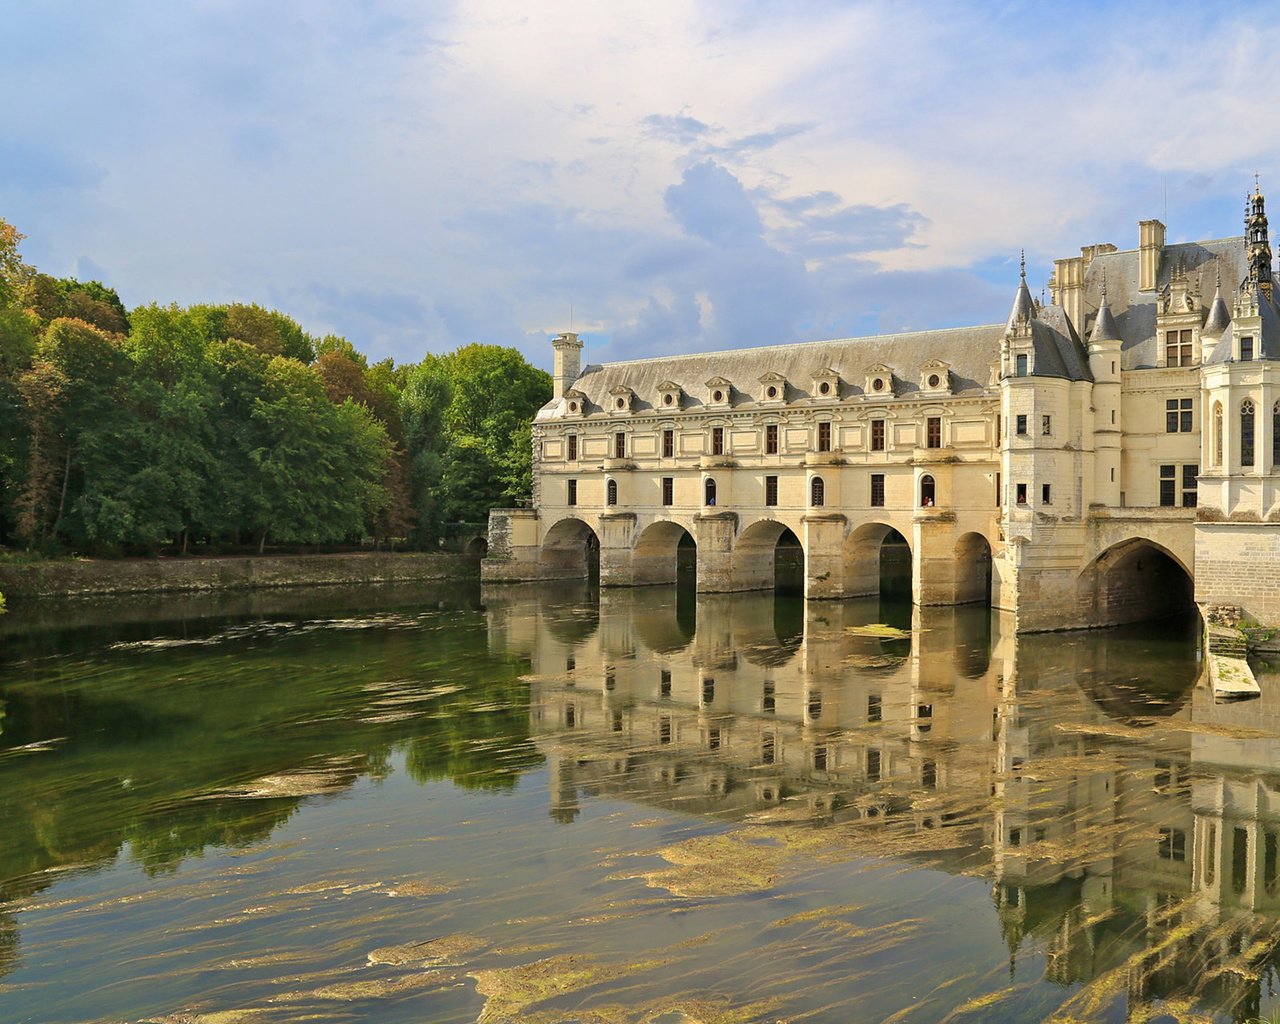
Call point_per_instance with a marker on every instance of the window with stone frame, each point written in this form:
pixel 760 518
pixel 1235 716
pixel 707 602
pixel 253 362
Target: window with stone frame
pixel 1021 424
pixel 1168 486
pixel 1246 350
pixel 1246 432
pixel 933 432
pixel 668 444
pixel 1177 416
pixel 571 492
pixel 1190 488
pixel 817 492
pixel 717 440
pixel 771 439
pixel 771 491
pixel 1046 425
pixel 824 436
pixel 668 490
pixel 1020 366
pixel 877 435
pixel 877 490
pixel 619 445
pixel 611 492
pixel 1217 433
pixel 1177 348
pixel 1021 494
pixel 573 447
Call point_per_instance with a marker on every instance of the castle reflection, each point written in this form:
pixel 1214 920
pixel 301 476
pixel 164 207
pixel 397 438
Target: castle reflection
pixel 1130 825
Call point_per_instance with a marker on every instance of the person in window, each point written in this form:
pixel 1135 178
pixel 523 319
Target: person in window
pixel 928 502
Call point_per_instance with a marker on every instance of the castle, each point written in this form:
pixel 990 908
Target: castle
pixel 1106 457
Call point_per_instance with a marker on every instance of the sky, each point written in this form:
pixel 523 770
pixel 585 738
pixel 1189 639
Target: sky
pixel 661 176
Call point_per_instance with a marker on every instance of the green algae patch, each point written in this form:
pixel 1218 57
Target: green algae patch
pixel 710 866
pixel 879 630
pixel 449 949
pixel 511 993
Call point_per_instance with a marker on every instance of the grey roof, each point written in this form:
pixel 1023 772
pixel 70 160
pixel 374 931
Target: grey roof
pixel 1023 307
pixel 1056 347
pixel 1266 347
pixel 1104 327
pixel 1135 311
pixel 1219 316
pixel 971 352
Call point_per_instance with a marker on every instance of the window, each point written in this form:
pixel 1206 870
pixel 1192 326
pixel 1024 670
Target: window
pixel 668 490
pixel 824 437
pixel 713 739
pixel 611 492
pixel 1045 495
pixel 570 716
pixel 877 490
pixel 877 435
pixel 1021 366
pixel 1022 426
pixel 1275 436
pixel 617 721
pixel 1217 433
pixel 619 445
pixel 771 439
pixel 873 707
pixel 668 444
pixel 1173 844
pixel 817 492
pixel 999 420
pixel 1177 416
pixel 1046 425
pixel 1022 494
pixel 771 490
pixel 927 491
pixel 664 683
pixel 1168 486
pixel 998 492
pixel 819 759
pixel 571 494
pixel 873 766
pixel 1189 474
pixel 924 717
pixel 573 447
pixel 570 663
pixel 717 440
pixel 815 705
pixel 709 493
pixel 610 678
pixel 767 748
pixel 768 700
pixel 708 691
pixel 1246 350
pixel 664 729
pixel 1177 348
pixel 1246 433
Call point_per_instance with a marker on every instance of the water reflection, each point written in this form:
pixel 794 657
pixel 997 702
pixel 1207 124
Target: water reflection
pixel 1123 828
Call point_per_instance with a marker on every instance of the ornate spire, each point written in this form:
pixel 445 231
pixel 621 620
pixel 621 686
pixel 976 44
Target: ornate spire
pixel 1257 246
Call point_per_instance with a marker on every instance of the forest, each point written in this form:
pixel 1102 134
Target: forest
pixel 227 427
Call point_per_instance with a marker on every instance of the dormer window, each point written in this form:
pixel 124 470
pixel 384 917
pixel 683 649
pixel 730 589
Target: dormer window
pixel 826 383
pixel 1246 350
pixel 621 398
pixel 935 377
pixel 575 402
pixel 669 395
pixel 719 391
pixel 1020 365
pixel 773 387
pixel 879 381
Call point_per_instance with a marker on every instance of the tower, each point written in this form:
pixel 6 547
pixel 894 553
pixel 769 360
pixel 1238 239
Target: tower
pixel 1104 363
pixel 1257 247
pixel 568 361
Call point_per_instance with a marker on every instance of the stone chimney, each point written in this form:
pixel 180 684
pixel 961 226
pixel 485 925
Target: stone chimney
pixel 568 363
pixel 1150 248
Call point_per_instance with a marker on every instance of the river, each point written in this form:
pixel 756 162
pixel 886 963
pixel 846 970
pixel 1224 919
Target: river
pixel 555 804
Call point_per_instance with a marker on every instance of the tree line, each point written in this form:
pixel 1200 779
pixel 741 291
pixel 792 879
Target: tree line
pixel 229 426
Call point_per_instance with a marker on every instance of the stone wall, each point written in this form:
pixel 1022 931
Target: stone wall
pixel 66 578
pixel 1239 564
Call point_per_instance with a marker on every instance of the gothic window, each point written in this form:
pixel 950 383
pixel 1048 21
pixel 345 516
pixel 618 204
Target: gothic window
pixel 611 492
pixel 933 432
pixel 824 437
pixel 927 491
pixel 771 439
pixel 717 440
pixel 877 435
pixel 877 490
pixel 1217 433
pixel 817 492
pixel 668 444
pixel 709 493
pixel 1177 348
pixel 1177 416
pixel 668 490
pixel 1246 433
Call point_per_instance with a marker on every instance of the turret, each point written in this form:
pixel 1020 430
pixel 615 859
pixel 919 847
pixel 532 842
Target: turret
pixel 1256 244
pixel 568 361
pixel 1104 363
pixel 1219 320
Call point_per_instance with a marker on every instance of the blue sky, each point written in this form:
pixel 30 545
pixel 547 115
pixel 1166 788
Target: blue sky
pixel 673 176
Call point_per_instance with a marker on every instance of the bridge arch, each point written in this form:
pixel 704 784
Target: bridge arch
pixel 973 569
pixel 657 555
pixel 1134 580
pixel 570 550
pixel 756 551
pixel 877 558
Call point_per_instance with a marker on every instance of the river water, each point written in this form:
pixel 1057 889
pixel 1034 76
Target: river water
pixel 551 804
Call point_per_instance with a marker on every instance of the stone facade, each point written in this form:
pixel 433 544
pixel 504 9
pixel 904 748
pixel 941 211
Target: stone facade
pixel 1070 465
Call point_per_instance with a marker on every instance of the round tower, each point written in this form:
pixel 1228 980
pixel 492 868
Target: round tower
pixel 1104 363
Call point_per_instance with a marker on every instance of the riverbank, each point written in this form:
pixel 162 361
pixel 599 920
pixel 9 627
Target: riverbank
pixel 84 577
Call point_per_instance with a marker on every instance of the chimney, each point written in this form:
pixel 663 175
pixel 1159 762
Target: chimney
pixel 568 363
pixel 1150 248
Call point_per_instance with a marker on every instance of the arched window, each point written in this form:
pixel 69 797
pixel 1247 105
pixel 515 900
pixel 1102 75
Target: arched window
pixel 1217 433
pixel 817 492
pixel 710 489
pixel 927 491
pixel 1275 436
pixel 611 492
pixel 1246 433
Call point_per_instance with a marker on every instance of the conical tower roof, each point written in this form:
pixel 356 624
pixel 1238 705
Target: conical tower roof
pixel 1219 315
pixel 1104 327
pixel 1024 310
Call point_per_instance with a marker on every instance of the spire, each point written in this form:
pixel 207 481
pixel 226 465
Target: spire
pixel 1104 327
pixel 1024 310
pixel 1219 315
pixel 1257 246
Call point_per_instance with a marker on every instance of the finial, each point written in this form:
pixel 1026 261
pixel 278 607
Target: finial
pixel 1022 263
pixel 1257 188
pixel 1104 286
pixel 1217 272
